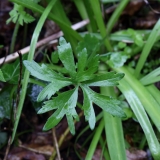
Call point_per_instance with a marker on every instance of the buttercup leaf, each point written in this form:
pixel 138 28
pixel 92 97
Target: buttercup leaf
pixel 88 109
pixel 117 59
pixel 66 56
pixel 51 89
pixel 107 103
pixel 42 72
pixel 58 101
pixel 65 104
pixel 71 124
pixel 84 74
pixel 18 14
pixel 91 43
pixel 52 121
pixel 106 79
pixel 82 59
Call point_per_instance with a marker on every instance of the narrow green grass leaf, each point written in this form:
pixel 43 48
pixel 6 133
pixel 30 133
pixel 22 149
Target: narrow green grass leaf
pixel 66 56
pixel 155 92
pixel 83 12
pixel 142 117
pixel 149 103
pixel 30 58
pixel 147 48
pixel 95 140
pixel 115 137
pixel 152 77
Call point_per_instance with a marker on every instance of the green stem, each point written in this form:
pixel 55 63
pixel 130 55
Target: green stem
pixel 113 19
pixel 104 149
pixel 154 91
pixel 83 12
pixel 114 131
pixel 39 83
pixel 143 142
pixel 14 37
pixel 91 16
pixel 59 12
pixel 30 58
pixel 95 140
pixel 147 48
pixel 113 127
pixel 100 23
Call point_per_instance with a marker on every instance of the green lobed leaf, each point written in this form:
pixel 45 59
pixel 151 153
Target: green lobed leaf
pixel 65 103
pixel 86 75
pixel 18 14
pixel 60 100
pixel 51 89
pixel 82 59
pixel 42 72
pixel 70 104
pixel 5 103
pixel 54 57
pixel 52 121
pixel 93 62
pixel 107 103
pixel 117 59
pixel 66 56
pixel 71 124
pixel 91 43
pixel 88 109
pixel 1 76
pixel 11 71
pixel 106 79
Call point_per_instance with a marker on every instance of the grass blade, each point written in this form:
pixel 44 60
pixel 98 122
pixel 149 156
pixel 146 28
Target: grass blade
pixel 142 117
pixel 147 48
pixel 114 131
pixel 30 57
pixel 95 140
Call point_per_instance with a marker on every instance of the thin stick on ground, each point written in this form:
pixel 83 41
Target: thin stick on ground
pixel 42 42
pixel 8 148
pixel 62 138
pixel 56 144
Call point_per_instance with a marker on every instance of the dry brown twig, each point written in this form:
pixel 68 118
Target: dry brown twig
pixel 42 42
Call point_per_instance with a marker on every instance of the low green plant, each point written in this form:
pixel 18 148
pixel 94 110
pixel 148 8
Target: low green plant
pixel 94 55
pixel 81 75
